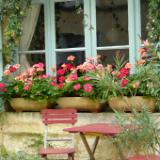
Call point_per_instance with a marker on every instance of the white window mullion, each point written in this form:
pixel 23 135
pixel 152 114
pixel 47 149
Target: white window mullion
pixel 131 33
pixel 50 37
pixel 138 26
pixel 87 24
pixel 113 47
pixel 93 28
pixel 70 49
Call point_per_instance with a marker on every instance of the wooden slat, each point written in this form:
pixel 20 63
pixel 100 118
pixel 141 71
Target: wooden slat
pixel 51 116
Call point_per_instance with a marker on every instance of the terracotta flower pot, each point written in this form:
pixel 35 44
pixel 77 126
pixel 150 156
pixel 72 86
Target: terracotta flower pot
pixel 79 103
pixel 22 104
pixel 130 103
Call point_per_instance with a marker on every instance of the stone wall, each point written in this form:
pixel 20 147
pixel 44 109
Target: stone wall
pixel 24 132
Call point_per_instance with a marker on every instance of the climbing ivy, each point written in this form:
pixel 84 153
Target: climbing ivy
pixel 153 25
pixel 13 12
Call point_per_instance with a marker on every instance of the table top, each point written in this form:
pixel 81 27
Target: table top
pixel 102 128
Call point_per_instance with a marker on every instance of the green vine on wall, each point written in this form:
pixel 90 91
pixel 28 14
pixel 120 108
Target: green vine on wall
pixel 13 13
pixel 153 25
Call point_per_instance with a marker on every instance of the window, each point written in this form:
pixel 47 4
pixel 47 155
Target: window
pixel 84 28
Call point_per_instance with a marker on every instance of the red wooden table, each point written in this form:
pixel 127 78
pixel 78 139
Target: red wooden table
pixel 96 129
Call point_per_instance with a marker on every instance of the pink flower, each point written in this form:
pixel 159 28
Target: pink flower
pixel 38 65
pixel 60 72
pixel 44 76
pixel 1 85
pixel 146 42
pixel 87 87
pixel 87 78
pixel 26 87
pixel 53 83
pixel 54 78
pixel 7 72
pixel 17 65
pixel 128 66
pixel 77 86
pixel 73 77
pixel 39 69
pixel 124 82
pixel 29 72
pixel 71 58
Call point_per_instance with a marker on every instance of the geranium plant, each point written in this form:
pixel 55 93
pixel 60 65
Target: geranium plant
pixel 73 81
pixel 32 83
pixel 116 80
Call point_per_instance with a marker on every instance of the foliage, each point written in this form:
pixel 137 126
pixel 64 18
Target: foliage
pixel 115 80
pixel 13 12
pixel 33 84
pixel 143 135
pixel 74 81
pixel 154 20
pixel 4 155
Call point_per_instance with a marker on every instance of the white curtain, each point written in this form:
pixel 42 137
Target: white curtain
pixel 29 25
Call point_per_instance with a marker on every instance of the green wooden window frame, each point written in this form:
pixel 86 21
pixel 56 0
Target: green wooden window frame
pixel 90 48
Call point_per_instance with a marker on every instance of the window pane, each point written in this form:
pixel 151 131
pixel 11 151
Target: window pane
pixel 144 13
pixel 107 57
pixel 69 24
pixel 32 59
pixel 112 22
pixel 61 57
pixel 37 42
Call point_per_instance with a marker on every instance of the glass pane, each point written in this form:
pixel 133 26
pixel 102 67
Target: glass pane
pixel 112 22
pixel 69 24
pixel 144 13
pixel 107 57
pixel 31 59
pixel 38 42
pixel 61 58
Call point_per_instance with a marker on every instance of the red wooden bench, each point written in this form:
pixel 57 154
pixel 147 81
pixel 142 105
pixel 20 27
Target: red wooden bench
pixel 54 116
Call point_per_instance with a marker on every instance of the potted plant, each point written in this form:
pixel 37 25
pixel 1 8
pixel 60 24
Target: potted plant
pixel 77 90
pixel 140 137
pixel 123 90
pixel 31 90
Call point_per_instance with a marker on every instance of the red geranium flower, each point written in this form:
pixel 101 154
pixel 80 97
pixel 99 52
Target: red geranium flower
pixel 124 82
pixel 12 68
pixel 61 79
pixel 60 72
